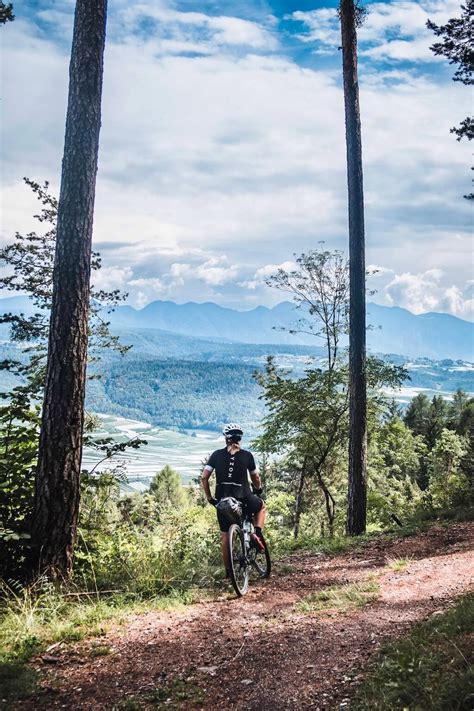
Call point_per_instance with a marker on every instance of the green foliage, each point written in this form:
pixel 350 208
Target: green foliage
pixel 307 418
pixel 176 393
pixel 319 286
pixel 167 490
pixel 6 13
pixel 29 262
pixel 449 486
pixel 16 682
pixel 394 460
pixel 456 46
pixel 430 420
pixel 428 669
pixel 397 564
pixel 35 616
pixel 133 546
pixel 19 432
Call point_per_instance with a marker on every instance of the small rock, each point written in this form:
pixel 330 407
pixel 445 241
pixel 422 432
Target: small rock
pixel 50 659
pixel 208 670
pixel 246 682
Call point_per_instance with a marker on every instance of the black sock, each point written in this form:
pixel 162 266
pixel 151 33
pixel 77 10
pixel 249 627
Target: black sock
pixel 258 531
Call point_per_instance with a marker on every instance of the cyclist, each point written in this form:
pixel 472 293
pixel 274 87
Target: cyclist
pixel 232 466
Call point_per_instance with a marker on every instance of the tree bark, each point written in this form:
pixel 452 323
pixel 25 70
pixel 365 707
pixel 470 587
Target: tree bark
pixel 357 490
pixel 57 491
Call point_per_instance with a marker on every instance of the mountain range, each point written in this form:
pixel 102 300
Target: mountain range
pixel 392 329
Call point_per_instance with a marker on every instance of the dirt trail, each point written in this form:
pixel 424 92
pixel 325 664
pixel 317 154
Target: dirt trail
pixel 259 652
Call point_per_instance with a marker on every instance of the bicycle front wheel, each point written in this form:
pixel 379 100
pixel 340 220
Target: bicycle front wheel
pixel 239 568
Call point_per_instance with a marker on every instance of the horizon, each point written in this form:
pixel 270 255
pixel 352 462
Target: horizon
pixel 253 307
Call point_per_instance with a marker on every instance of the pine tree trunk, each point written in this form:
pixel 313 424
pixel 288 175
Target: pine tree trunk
pixel 57 493
pixel 357 494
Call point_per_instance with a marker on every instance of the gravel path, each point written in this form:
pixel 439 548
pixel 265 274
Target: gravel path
pixel 262 652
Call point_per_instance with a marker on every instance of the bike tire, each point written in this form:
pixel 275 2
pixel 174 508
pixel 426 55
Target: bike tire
pixel 239 567
pixel 261 562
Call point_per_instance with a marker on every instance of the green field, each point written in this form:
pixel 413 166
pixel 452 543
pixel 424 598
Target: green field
pixel 184 452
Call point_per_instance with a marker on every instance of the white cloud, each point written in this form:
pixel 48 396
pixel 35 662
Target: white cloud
pixel 111 277
pixel 428 291
pixel 177 31
pixel 240 153
pixel 215 271
pixel 262 274
pixel 391 30
pixel 376 271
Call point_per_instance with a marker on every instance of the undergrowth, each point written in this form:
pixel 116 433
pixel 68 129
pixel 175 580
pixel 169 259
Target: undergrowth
pixel 432 668
pixel 37 616
pixel 34 618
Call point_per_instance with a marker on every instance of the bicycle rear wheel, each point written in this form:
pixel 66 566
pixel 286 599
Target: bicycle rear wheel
pixel 260 562
pixel 239 567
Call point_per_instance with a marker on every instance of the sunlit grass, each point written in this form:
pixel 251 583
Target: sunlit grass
pixel 432 668
pixel 31 618
pixel 339 597
pixel 398 564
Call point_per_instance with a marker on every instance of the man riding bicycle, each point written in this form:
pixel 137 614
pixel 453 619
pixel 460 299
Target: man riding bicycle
pixel 232 466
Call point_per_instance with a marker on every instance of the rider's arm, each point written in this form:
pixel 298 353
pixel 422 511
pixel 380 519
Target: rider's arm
pixel 206 473
pixel 253 471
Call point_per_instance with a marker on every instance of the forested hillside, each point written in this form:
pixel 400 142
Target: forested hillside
pixel 178 394
pixel 178 381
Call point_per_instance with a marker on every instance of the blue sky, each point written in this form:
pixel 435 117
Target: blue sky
pixel 222 146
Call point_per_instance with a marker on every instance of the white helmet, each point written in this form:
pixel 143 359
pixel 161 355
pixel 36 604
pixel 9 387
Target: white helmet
pixel 233 429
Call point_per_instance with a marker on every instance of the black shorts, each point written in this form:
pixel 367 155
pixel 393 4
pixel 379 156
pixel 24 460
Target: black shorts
pixel 252 504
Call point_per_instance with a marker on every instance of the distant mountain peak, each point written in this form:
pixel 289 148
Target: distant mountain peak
pixel 396 330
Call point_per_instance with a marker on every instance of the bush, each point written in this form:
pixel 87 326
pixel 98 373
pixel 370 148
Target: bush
pixel 179 552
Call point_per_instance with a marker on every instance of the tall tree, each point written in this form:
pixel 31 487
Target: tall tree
pixel 351 16
pixel 57 492
pixel 457 46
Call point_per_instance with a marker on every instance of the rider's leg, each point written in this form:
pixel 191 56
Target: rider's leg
pixel 259 517
pixel 225 551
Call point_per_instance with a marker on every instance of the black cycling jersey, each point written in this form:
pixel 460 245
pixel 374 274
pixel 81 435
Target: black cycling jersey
pixel 232 472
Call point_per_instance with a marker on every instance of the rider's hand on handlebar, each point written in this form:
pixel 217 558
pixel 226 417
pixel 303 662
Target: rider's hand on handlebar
pixel 257 492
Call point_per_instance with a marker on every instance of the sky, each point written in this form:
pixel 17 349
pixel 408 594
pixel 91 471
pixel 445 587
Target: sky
pixel 222 149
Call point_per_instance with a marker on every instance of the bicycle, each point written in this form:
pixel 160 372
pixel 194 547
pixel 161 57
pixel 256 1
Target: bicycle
pixel 245 557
